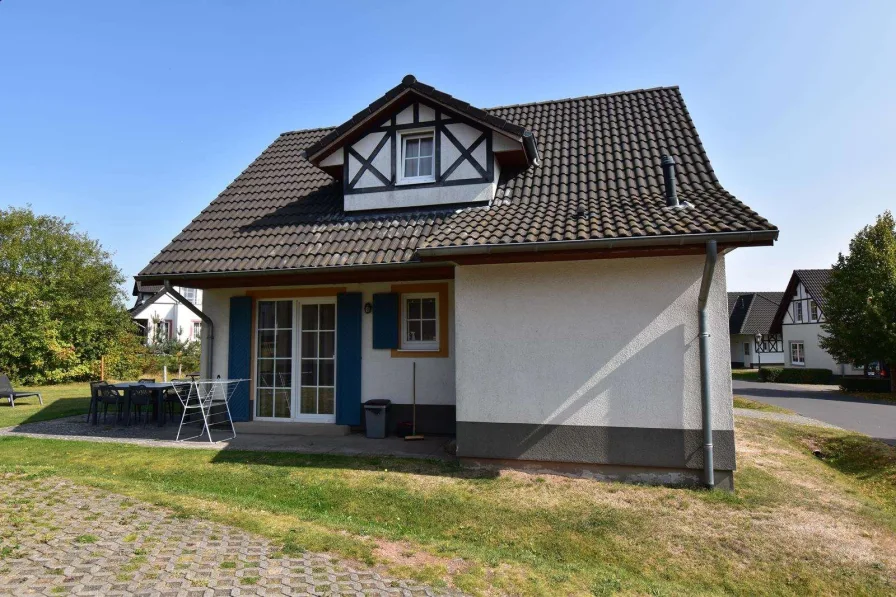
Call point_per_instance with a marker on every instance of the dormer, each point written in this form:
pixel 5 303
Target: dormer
pixel 417 146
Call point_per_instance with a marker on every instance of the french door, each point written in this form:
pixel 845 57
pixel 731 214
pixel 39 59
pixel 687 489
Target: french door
pixel 296 360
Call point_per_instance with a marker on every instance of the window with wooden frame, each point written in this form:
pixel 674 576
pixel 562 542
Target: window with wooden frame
pixel 423 320
pixel 797 353
pixel 420 321
pixel 417 163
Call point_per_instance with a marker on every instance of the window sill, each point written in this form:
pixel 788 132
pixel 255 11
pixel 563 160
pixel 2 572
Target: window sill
pixel 404 182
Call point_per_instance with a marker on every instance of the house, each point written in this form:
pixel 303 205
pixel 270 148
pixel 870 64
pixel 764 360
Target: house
pixel 552 274
pixel 751 313
pixel 176 320
pixel 799 319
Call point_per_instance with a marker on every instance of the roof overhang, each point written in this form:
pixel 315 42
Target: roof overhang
pixel 726 240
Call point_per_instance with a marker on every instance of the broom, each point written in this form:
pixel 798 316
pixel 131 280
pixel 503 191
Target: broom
pixel 413 436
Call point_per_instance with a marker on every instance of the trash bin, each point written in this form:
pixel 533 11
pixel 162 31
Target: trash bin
pixel 375 414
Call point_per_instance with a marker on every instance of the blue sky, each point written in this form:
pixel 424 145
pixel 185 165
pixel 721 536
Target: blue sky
pixel 129 117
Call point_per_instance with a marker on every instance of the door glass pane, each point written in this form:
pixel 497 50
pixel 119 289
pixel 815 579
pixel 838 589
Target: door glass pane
pixel 327 402
pixel 327 373
pixel 266 343
pixel 284 314
pixel 309 345
pixel 309 372
pixel 309 400
pixel 284 343
pixel 265 373
pixel 265 403
pixel 282 400
pixel 266 314
pixel 309 317
pixel 328 317
pixel 283 375
pixel 327 344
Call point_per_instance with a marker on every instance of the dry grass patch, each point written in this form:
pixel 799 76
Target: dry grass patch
pixel 741 402
pixel 796 524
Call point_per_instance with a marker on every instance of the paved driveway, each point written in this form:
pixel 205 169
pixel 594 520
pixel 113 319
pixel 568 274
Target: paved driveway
pixel 825 403
pixel 60 538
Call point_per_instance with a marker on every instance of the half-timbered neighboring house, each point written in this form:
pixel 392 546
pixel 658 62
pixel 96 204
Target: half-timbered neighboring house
pixel 752 313
pixel 799 319
pixel 546 279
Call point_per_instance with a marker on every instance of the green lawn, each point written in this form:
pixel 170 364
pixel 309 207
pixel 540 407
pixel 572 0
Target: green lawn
pixel 59 401
pixel 741 402
pixel 745 374
pixel 796 525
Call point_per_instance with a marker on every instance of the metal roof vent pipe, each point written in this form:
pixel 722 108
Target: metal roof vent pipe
pixel 668 163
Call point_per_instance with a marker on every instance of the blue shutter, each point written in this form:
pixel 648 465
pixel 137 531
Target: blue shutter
pixel 348 358
pixel 239 355
pixel 385 320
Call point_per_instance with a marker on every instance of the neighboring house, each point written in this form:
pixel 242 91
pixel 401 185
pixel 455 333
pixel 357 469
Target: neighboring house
pixel 799 320
pixel 174 318
pixel 750 313
pixel 540 264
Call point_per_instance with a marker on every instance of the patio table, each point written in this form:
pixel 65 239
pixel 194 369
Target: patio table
pixel 158 391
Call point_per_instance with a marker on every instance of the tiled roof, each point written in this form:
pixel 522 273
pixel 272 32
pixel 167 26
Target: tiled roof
pixel 738 307
pixel 600 154
pixel 758 314
pixel 814 280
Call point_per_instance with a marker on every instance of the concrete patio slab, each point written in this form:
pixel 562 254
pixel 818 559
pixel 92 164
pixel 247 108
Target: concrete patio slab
pixel 354 444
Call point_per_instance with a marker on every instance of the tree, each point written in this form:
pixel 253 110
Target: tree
pixel 860 299
pixel 61 305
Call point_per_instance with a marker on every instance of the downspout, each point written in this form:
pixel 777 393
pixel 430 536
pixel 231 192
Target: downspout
pixel 206 320
pixel 709 269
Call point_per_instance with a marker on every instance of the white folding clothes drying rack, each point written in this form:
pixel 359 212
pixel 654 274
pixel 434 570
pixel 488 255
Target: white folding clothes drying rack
pixel 210 399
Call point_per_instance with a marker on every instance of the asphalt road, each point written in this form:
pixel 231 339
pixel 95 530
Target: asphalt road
pixel 825 403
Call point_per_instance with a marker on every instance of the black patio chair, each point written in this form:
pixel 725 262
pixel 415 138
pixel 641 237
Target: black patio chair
pixel 170 398
pixel 108 395
pixel 94 397
pixel 8 392
pixel 146 380
pixel 141 397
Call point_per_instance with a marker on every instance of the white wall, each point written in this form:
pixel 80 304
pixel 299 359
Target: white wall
pixel 815 356
pixel 601 343
pixel 381 375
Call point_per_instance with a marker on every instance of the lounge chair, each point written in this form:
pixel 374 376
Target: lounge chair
pixel 7 391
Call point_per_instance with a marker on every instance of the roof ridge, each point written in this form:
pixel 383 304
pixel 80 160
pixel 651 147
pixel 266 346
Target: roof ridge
pixel 525 104
pixel 584 97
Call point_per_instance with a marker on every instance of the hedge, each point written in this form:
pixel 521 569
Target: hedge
pixel 808 376
pixel 865 384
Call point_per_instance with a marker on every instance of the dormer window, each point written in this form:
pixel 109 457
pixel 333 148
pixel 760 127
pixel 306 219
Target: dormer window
pixel 417 157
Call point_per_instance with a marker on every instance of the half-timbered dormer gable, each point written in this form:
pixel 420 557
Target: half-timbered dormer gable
pixel 417 146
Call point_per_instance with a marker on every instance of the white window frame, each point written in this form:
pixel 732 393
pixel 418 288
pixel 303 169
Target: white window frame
pixel 196 330
pixel 799 311
pixel 428 345
pixel 402 143
pixel 747 349
pixel 801 351
pixel 189 294
pixel 813 310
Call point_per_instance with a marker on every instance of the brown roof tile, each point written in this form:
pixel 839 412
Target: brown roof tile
pixel 600 154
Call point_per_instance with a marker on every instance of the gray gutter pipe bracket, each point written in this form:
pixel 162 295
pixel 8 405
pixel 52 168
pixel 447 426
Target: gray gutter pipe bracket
pixel 205 320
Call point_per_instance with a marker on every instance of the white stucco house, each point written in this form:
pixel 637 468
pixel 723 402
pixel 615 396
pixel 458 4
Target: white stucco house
pixel 554 271
pixel 799 319
pixel 153 303
pixel 749 314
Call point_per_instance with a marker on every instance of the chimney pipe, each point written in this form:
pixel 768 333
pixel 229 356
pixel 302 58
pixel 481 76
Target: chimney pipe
pixel 668 163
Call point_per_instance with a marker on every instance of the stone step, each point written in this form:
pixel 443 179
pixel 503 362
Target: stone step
pixel 291 428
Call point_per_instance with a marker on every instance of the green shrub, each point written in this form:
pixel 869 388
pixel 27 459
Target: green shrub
pixel 865 384
pixel 808 376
